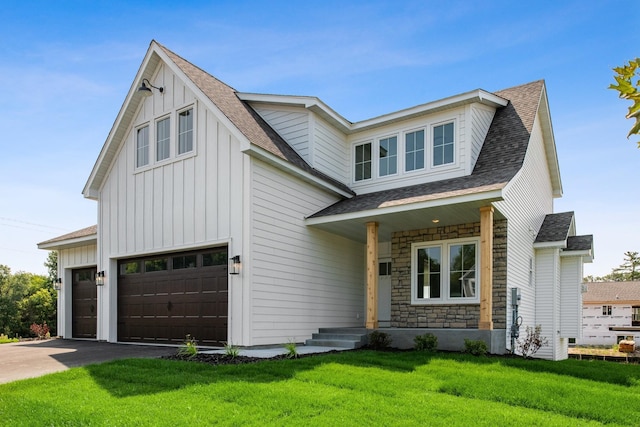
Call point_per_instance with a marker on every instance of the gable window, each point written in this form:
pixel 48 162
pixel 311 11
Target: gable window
pixel 443 144
pixel 388 157
pixel 363 162
pixel 445 272
pixel 414 150
pixel 185 131
pixel 142 146
pixel 163 136
pixel 606 310
pixel 635 315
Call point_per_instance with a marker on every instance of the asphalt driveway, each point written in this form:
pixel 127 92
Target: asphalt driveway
pixel 30 359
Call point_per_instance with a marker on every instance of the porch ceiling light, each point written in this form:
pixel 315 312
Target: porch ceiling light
pixel 435 220
pixel 146 90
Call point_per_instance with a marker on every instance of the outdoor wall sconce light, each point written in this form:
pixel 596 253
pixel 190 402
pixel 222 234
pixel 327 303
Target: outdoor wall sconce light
pixel 235 265
pixel 57 284
pixel 100 278
pixel 146 90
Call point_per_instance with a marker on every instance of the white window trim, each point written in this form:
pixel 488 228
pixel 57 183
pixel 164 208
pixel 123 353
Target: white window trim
pixel 155 138
pixel 456 146
pixel 445 288
pixel 373 161
pixel 425 160
pixel 150 151
pixel 176 133
pixel 376 151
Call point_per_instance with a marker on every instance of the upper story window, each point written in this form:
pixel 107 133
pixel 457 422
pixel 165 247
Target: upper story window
pixel 185 131
pixel 414 150
pixel 635 315
pixel 142 146
pixel 445 272
pixel 443 144
pixel 388 156
pixel 163 139
pixel 606 310
pixel 363 162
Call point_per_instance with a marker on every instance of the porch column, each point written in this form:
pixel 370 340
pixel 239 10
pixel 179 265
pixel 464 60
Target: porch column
pixel 486 268
pixel 372 275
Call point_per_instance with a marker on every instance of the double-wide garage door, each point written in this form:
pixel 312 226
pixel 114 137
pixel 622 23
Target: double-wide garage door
pixel 164 298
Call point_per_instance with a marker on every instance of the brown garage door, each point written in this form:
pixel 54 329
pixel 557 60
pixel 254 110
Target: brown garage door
pixel 84 304
pixel 163 298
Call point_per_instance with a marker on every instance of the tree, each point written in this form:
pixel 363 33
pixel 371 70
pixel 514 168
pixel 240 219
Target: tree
pixel 52 266
pixel 630 269
pixel 628 89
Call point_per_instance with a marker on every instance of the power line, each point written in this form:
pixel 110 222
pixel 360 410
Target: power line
pixel 30 223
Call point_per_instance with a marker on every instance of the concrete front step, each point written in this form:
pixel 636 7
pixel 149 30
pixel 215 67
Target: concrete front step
pixel 339 337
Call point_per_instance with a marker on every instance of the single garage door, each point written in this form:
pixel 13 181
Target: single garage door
pixel 164 298
pixel 84 303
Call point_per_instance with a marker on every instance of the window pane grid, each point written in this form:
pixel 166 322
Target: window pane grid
pixel 162 139
pixel 363 162
pixel 414 150
pixel 185 131
pixel 388 160
pixel 443 144
pixel 142 147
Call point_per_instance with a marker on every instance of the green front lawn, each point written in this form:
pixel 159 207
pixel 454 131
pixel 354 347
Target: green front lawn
pixel 350 388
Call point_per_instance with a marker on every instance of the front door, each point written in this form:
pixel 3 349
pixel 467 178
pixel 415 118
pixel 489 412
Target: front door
pixel 384 293
pixel 84 295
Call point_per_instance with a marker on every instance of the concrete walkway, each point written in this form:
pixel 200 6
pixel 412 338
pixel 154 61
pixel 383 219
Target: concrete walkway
pixel 277 351
pixel 30 359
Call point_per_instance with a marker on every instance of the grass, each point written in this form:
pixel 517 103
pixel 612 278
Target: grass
pixel 5 339
pixel 350 388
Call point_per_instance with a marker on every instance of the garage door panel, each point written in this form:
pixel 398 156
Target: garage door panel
pixel 165 306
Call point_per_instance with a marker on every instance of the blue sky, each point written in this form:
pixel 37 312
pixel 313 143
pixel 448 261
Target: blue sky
pixel 66 66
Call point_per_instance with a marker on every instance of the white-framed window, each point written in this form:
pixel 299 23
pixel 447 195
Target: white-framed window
pixel 635 315
pixel 363 162
pixel 388 156
pixel 163 139
pixel 606 310
pixel 185 131
pixel 445 272
pixel 142 146
pixel 443 144
pixel 414 150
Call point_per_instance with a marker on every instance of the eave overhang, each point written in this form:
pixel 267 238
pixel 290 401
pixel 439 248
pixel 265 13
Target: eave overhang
pixel 69 243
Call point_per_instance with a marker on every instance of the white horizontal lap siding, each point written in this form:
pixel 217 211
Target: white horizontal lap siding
pixel 81 256
pixel 302 278
pixel 528 199
pixel 292 125
pixel 547 299
pixel 330 151
pixel 181 202
pixel 570 297
pixel 481 118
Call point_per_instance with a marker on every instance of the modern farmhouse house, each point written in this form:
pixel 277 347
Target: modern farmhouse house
pixel 610 313
pixel 258 219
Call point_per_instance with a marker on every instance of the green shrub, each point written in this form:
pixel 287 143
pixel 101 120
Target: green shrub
pixel 426 342
pixel 231 350
pixel 292 350
pixel 475 347
pixel 379 340
pixel 5 339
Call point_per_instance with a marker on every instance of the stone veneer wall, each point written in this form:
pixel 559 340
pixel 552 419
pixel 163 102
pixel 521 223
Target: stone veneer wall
pixel 466 316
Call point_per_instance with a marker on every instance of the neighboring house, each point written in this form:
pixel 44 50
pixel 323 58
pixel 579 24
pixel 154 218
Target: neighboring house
pixel 420 220
pixel 610 313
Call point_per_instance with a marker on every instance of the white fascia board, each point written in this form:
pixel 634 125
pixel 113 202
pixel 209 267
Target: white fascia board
pixel 316 105
pixel 493 196
pixel 586 254
pixel 262 154
pixel 560 244
pixel 69 243
pixel 550 144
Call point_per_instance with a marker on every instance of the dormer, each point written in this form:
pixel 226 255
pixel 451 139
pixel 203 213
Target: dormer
pixel 429 142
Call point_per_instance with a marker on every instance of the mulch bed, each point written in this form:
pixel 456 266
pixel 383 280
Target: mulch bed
pixel 223 359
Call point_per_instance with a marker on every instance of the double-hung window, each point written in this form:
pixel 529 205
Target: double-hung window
pixel 142 146
pixel 185 131
pixel 414 151
pixel 606 310
pixel 363 162
pixel 388 156
pixel 163 138
pixel 445 272
pixel 443 144
pixel 635 315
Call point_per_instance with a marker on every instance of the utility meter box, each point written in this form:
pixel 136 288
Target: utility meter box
pixel 515 296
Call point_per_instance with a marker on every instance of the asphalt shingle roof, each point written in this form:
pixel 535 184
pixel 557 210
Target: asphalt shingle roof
pixel 580 243
pixel 555 227
pixel 85 232
pixel 245 118
pixel 611 292
pixel 500 159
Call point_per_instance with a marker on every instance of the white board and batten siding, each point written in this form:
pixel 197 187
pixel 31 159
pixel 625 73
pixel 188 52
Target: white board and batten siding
pixel 528 199
pixel 301 278
pixel 184 202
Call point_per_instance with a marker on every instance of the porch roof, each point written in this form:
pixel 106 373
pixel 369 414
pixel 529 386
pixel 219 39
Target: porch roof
pixel 82 237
